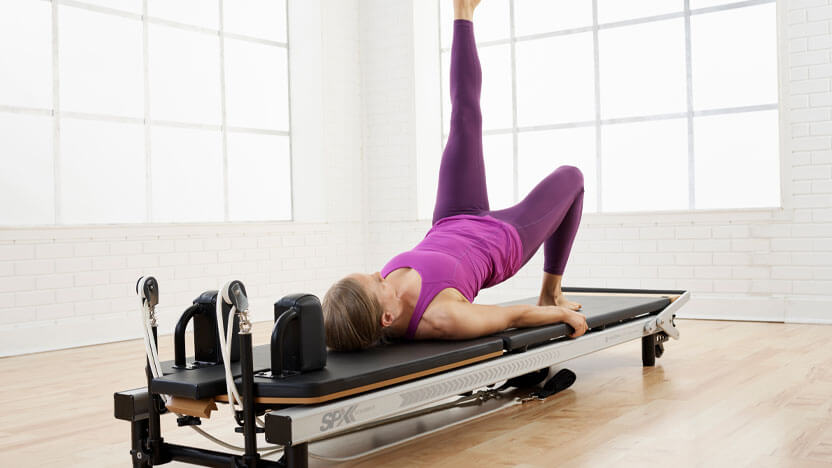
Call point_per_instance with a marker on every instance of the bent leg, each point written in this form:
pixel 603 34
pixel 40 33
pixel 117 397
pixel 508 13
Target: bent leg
pixel 462 188
pixel 549 215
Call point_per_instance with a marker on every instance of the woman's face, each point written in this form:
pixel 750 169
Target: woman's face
pixel 377 286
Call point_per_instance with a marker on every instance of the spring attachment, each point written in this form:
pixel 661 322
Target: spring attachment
pixel 245 322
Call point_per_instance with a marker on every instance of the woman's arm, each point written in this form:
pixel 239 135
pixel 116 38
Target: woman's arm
pixel 459 320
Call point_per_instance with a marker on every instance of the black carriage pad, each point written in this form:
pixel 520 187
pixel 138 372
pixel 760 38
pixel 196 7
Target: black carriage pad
pixel 600 310
pixel 395 362
pixel 344 371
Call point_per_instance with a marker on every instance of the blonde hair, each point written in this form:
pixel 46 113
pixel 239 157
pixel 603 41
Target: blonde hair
pixel 352 317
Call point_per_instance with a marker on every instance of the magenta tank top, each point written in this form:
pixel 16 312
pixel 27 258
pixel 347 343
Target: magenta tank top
pixel 464 252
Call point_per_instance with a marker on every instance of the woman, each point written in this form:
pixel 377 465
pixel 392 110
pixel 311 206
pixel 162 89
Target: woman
pixel 427 292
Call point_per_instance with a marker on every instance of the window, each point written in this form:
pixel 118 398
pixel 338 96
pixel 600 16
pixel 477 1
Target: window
pixel 663 104
pixel 131 111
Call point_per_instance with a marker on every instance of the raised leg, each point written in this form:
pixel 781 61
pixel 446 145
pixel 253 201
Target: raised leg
pixel 461 188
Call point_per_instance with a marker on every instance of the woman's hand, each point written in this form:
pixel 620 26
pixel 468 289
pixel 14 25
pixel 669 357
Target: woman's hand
pixel 575 320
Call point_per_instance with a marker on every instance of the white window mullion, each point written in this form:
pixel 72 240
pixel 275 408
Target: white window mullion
pixel 289 111
pixel 147 137
pixel 598 164
pixel 56 115
pixel 515 156
pixel 689 79
pixel 226 216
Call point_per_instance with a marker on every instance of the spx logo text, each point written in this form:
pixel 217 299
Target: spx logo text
pixel 338 417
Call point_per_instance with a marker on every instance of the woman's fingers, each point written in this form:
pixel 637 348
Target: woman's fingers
pixel 578 323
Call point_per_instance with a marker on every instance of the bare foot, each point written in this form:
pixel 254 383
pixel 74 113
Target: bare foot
pixel 464 9
pixel 560 300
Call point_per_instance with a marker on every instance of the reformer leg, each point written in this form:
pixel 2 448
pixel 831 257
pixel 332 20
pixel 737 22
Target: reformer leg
pixel 297 456
pixel 652 347
pixel 138 435
pixel 648 350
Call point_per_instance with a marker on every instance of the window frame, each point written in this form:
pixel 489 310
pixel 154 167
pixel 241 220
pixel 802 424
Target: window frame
pixel 145 20
pixel 598 123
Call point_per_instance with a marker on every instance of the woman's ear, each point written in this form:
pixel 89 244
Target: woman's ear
pixel 387 319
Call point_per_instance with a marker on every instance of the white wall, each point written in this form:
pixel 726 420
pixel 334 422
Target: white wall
pixel 758 264
pixel 364 120
pixel 67 286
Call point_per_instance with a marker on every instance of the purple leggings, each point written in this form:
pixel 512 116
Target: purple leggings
pixel 550 213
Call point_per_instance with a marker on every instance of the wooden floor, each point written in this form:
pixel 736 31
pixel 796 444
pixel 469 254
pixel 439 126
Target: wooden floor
pixel 726 394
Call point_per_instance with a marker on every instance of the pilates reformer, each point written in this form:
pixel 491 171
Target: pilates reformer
pixel 311 395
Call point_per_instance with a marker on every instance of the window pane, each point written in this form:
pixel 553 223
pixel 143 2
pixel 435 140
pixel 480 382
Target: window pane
pixel 732 69
pixel 186 170
pixel 100 76
pixel 542 152
pixel 428 183
pixel 259 177
pixel 257 91
pixel 496 87
pixel 205 13
pixel 132 6
pixel 616 10
pixel 644 166
pixel 555 80
pixel 265 19
pixel 184 76
pixel 26 53
pixel 643 69
pixel 491 21
pixel 27 186
pixel 498 153
pixel 695 4
pixel 737 163
pixel 446 18
pixel 540 16
pixel 103 172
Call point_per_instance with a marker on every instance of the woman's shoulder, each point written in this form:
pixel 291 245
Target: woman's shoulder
pixel 435 317
pixel 444 298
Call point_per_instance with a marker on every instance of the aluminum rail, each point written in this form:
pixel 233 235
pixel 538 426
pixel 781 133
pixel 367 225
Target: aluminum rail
pixel 301 424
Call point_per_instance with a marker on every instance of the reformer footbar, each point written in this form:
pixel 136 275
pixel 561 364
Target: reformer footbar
pixel 310 395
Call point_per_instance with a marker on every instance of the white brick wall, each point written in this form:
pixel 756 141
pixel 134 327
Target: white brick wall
pixel 72 286
pixel 739 264
pixel 388 104
pixel 356 162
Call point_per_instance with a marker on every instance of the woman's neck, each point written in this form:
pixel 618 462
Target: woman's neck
pixel 407 284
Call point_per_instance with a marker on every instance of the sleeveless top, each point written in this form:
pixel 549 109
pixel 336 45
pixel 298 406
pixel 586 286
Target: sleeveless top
pixel 464 252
